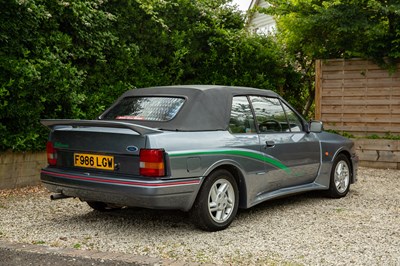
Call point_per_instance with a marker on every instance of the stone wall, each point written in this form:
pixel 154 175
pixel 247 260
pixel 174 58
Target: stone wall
pixel 21 169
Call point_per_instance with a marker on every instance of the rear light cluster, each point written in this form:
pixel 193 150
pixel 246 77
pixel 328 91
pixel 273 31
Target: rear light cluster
pixel 51 153
pixel 152 162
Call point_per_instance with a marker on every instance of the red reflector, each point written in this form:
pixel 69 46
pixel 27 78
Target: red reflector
pixel 152 162
pixel 51 153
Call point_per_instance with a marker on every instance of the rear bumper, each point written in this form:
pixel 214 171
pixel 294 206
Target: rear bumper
pixel 155 194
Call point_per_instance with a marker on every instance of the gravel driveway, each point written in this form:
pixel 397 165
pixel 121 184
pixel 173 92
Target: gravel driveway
pixel 361 229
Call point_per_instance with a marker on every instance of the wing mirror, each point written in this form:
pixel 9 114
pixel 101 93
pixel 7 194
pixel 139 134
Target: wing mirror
pixel 315 126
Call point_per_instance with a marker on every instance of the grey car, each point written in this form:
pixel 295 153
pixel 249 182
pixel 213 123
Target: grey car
pixel 205 149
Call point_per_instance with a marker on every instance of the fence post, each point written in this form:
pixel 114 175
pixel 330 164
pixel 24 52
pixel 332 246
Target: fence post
pixel 318 88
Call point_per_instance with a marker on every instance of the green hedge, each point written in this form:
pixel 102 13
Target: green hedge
pixel 72 59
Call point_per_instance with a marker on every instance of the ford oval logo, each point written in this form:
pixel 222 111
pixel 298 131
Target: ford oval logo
pixel 132 148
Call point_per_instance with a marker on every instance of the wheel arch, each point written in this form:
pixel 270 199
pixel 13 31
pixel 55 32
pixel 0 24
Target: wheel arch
pixel 348 156
pixel 239 176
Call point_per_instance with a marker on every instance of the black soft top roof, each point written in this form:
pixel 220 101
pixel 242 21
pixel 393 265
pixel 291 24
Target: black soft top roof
pixel 207 107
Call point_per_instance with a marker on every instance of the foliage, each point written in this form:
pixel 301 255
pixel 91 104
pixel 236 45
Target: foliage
pixel 46 47
pixel 387 135
pixel 340 28
pixel 72 59
pixel 342 133
pixel 311 29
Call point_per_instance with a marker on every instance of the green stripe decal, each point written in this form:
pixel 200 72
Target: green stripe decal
pixel 253 155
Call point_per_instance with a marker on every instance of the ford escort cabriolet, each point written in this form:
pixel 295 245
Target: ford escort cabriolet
pixel 205 149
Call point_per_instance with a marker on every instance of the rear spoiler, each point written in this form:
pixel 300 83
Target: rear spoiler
pixel 142 130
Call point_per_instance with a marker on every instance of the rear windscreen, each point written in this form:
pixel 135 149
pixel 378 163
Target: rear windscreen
pixel 145 108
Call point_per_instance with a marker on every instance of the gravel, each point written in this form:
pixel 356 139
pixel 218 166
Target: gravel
pixel 360 229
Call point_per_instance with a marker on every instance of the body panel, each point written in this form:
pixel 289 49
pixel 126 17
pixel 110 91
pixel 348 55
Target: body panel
pixel 299 151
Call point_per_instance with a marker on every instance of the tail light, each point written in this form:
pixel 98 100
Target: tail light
pixel 152 162
pixel 51 153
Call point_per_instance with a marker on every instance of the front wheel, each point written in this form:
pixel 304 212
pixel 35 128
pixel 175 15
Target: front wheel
pixel 340 177
pixel 217 202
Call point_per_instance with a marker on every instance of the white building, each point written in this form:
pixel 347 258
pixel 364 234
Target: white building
pixel 258 22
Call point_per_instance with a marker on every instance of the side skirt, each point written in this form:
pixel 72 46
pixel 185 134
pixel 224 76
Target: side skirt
pixel 287 192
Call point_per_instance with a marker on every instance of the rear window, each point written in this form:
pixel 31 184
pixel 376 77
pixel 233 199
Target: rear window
pixel 146 108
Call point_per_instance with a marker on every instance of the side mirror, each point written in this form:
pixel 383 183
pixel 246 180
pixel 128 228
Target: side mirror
pixel 315 126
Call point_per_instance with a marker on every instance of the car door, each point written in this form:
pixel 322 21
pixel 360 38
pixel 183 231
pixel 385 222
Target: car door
pixel 292 155
pixel 244 136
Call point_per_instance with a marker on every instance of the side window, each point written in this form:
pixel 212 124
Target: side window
pixel 295 123
pixel 270 115
pixel 241 120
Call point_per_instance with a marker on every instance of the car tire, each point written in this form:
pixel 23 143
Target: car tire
pixel 217 203
pixel 340 177
pixel 101 206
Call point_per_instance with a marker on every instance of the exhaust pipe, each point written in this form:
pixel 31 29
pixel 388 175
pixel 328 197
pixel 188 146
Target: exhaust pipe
pixel 59 196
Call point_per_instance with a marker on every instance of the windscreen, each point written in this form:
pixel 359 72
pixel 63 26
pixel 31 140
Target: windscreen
pixel 146 108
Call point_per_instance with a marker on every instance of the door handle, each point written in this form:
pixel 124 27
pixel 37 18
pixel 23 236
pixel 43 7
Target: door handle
pixel 269 144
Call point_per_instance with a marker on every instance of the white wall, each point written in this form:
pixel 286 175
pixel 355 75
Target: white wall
pixel 261 23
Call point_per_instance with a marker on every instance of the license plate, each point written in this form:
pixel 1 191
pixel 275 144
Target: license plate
pixel 94 161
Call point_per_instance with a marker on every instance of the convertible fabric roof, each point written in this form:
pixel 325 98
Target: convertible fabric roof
pixel 207 107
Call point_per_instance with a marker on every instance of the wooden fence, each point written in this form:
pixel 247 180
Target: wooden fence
pixel 358 97
pixel 378 153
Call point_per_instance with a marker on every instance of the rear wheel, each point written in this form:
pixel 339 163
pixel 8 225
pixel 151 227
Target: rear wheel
pixel 102 206
pixel 340 177
pixel 217 202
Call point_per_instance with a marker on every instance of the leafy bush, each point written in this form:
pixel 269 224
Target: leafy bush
pixel 46 47
pixel 340 29
pixel 72 59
